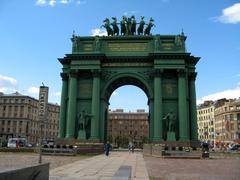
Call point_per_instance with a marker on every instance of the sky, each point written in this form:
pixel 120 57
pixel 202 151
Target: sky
pixel 34 33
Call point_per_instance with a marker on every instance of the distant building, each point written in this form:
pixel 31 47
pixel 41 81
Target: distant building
pixel 219 121
pixel 19 117
pixel 206 123
pixel 132 126
pixel 227 120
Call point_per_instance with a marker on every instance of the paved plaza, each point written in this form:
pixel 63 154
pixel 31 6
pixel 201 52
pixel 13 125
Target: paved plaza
pixel 217 168
pixel 220 167
pixel 102 167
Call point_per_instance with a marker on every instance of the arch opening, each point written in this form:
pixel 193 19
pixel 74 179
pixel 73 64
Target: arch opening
pixel 127 113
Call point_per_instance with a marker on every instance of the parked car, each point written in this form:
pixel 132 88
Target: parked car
pixel 235 147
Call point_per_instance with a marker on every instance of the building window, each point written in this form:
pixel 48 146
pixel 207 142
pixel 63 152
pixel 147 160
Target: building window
pixel 3 122
pixel 238 116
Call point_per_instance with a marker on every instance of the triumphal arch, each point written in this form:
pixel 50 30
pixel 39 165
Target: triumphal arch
pixel 158 64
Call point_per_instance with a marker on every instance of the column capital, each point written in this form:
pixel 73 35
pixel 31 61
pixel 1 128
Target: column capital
pixel 64 76
pixel 73 74
pixel 96 73
pixel 192 76
pixel 181 72
pixel 158 72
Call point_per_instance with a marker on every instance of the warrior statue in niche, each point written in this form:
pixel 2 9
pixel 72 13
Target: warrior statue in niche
pixel 170 121
pixel 83 123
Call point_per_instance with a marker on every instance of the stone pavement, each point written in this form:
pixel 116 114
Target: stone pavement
pixel 102 167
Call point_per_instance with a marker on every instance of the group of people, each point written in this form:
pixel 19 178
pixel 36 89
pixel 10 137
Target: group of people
pixel 108 148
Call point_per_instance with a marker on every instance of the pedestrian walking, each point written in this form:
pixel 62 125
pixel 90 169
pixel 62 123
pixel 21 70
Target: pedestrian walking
pixel 129 147
pixel 133 147
pixel 107 148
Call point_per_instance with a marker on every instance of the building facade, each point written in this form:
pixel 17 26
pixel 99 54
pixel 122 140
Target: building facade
pixel 133 126
pixel 227 120
pixel 219 121
pixel 206 123
pixel 19 117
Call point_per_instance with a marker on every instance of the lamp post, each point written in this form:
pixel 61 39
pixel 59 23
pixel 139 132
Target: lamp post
pixel 42 116
pixel 40 143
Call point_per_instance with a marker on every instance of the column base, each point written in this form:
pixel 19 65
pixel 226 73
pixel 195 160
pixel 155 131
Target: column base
pixel 157 140
pixel 69 136
pixel 94 140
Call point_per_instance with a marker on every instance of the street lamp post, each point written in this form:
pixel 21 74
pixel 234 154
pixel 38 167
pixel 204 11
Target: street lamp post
pixel 40 143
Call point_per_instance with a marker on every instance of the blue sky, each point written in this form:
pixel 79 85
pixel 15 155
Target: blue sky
pixel 33 34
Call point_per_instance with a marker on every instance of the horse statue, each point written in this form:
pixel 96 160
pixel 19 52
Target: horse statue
pixel 133 26
pixel 115 26
pixel 107 27
pixel 141 26
pixel 123 26
pixel 149 26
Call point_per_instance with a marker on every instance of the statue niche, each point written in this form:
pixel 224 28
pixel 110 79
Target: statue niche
pixel 84 123
pixel 170 120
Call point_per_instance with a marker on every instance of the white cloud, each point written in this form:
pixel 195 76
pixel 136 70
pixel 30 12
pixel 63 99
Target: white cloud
pixel 128 13
pixel 52 2
pixel 228 94
pixel 41 2
pixel 81 2
pixel 55 2
pixel 7 84
pixel 3 89
pixel 57 94
pixel 98 32
pixel 230 15
pixel 33 90
pixel 7 81
pixel 64 1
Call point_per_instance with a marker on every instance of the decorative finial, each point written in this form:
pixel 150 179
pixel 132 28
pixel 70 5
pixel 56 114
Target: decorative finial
pixel 42 83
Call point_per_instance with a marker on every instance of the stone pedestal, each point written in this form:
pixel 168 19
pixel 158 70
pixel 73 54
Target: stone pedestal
pixel 171 136
pixel 81 135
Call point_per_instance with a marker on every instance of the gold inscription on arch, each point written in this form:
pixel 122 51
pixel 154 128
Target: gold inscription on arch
pixel 127 64
pixel 127 47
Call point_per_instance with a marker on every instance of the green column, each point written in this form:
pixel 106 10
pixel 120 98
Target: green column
pixel 193 107
pixel 151 119
pixel 157 125
pixel 62 123
pixel 95 106
pixel 182 107
pixel 71 114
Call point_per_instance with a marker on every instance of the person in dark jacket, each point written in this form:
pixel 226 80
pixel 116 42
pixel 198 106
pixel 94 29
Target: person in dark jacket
pixel 107 148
